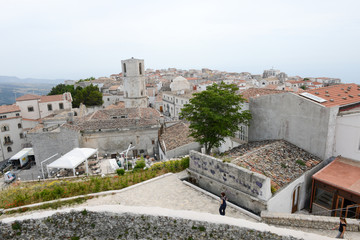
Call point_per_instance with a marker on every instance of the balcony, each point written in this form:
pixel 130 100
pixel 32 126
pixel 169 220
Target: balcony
pixel 8 143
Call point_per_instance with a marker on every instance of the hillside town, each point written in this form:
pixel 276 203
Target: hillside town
pixel 301 151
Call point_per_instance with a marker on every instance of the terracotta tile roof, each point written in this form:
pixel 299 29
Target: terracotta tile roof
pixel 114 87
pixel 28 97
pixel 52 98
pixel 338 95
pixel 117 105
pixel 112 118
pixel 175 136
pixel 9 108
pixel 256 92
pixel 341 173
pixel 279 160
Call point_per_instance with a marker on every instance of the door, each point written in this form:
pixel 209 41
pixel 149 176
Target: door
pixel 339 206
pixel 295 199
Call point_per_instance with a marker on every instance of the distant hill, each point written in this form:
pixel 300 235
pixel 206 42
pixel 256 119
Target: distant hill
pixel 14 87
pixel 16 80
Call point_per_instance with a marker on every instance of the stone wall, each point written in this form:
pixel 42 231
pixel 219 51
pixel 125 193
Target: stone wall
pixel 46 144
pixel 94 225
pixel 300 121
pixel 307 221
pixel 243 187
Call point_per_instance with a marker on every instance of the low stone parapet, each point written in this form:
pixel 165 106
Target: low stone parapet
pixel 308 221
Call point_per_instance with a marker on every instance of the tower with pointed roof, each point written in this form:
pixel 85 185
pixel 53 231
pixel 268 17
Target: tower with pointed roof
pixel 134 83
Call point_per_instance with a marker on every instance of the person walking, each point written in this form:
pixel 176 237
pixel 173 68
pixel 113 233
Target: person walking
pixel 342 228
pixel 223 200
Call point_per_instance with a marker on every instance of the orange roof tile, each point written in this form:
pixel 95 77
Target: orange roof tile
pixel 341 173
pixel 51 98
pixel 9 108
pixel 28 97
pixel 114 87
pixel 338 95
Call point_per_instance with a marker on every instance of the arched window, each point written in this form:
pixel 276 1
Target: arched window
pixel 7 139
pixel 19 125
pixel 124 67
pixel 9 149
pixel 5 128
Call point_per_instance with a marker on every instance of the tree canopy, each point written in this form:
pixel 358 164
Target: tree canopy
pixel 90 95
pixel 215 114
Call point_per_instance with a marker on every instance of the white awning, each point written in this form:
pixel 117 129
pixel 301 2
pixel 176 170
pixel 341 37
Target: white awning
pixel 73 158
pixel 24 151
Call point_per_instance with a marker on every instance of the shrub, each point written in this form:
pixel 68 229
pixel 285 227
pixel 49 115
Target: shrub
pixel 120 171
pixel 140 164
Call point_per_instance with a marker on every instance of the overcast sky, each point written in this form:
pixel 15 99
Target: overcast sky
pixel 73 39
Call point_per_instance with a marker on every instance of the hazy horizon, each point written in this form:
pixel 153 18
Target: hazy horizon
pixel 78 39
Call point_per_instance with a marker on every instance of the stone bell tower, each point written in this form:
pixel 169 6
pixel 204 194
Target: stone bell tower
pixel 134 83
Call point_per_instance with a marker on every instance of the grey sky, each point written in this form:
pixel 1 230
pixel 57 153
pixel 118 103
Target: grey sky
pixel 75 39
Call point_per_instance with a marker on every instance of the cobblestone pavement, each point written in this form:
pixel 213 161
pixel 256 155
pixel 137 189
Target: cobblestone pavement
pixel 169 192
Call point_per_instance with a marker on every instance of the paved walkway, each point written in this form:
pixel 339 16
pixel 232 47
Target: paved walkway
pixel 170 192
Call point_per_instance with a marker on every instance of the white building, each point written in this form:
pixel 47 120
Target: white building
pixel 35 107
pixel 179 84
pixel 11 133
pixel 173 103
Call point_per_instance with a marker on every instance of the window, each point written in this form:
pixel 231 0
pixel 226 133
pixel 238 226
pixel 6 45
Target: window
pixel 21 135
pixel 4 116
pixel 61 106
pixel 323 198
pixel 9 149
pixel 153 142
pixel 19 125
pixel 7 139
pixel 108 99
pixel 124 67
pixel 18 114
pixel 176 100
pixel 5 128
pixel 30 109
pixel 49 107
pixel 140 69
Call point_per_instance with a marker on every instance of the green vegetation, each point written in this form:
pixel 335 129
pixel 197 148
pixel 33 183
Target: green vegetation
pixel 54 205
pixel 120 172
pixel 20 194
pixel 300 162
pixel 273 189
pixel 90 95
pixel 215 114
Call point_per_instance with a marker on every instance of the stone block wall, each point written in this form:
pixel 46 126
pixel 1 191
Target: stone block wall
pixel 307 221
pixel 243 187
pixel 95 225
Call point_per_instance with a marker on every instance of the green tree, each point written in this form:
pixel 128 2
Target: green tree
pixel 90 95
pixel 215 114
pixel 61 88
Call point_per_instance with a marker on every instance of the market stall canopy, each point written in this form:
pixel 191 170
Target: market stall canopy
pixel 73 158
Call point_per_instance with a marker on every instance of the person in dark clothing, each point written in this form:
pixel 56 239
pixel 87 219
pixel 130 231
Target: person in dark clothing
pixel 342 228
pixel 223 204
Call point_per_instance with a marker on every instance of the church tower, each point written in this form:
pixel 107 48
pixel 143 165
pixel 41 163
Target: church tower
pixel 134 83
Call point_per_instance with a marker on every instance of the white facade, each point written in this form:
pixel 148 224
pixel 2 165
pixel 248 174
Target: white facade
pixel 134 83
pixel 173 103
pixel 347 138
pixel 36 107
pixel 12 135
